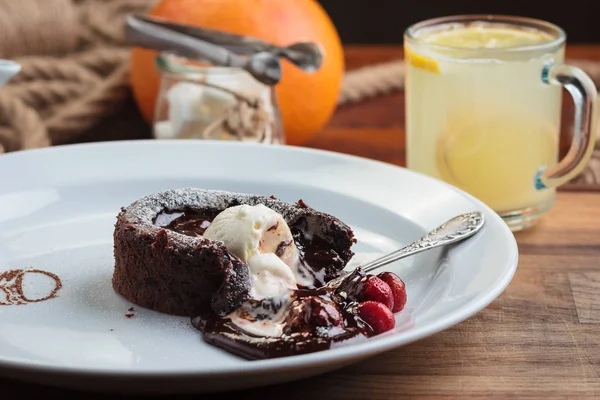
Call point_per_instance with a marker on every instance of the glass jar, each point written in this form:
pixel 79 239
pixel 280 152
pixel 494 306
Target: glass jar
pixel 201 101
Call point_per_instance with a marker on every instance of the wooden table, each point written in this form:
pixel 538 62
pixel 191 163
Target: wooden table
pixel 539 339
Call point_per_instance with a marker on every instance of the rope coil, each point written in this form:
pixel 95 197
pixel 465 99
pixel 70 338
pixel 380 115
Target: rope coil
pixel 75 72
pixel 73 68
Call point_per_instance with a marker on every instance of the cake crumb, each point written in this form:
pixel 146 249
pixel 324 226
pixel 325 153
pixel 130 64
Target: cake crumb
pixel 301 203
pixel 130 312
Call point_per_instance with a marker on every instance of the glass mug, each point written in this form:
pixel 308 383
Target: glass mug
pixel 483 110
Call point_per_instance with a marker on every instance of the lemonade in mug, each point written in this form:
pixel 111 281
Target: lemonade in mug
pixel 483 110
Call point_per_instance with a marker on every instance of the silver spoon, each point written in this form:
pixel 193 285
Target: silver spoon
pixel 263 66
pixel 451 231
pixel 305 55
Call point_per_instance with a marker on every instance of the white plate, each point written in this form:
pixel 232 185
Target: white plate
pixel 57 214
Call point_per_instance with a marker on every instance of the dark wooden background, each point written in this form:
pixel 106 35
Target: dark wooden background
pixel 384 21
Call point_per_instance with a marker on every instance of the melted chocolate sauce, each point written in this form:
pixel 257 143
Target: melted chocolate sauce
pixel 315 320
pixel 316 253
pixel 187 222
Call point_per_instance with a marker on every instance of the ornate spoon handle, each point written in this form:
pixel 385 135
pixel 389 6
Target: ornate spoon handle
pixel 453 230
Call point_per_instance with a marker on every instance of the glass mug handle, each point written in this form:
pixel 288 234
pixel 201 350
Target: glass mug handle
pixel 584 93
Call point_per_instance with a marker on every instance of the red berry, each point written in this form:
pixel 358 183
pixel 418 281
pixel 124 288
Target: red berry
pixel 398 289
pixel 377 315
pixel 377 290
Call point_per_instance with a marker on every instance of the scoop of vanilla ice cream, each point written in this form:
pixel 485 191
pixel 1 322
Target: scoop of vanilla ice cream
pixel 250 230
pixel 260 237
pixel 270 276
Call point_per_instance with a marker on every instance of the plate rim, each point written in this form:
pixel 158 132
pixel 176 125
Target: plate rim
pixel 338 355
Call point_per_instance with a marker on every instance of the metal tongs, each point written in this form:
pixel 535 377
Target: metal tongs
pixel 261 59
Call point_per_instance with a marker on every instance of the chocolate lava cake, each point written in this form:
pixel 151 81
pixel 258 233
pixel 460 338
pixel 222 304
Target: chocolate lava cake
pixel 163 262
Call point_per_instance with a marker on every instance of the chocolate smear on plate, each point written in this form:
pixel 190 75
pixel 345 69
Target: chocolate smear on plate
pixel 11 287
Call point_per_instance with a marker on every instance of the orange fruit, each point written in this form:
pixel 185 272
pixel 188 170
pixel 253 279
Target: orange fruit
pixel 306 100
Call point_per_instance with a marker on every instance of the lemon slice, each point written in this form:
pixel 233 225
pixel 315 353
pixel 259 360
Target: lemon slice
pixel 421 61
pixel 494 157
pixel 486 37
pixel 481 36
